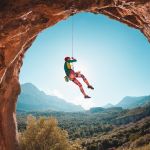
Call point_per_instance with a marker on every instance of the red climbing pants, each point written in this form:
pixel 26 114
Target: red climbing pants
pixel 74 75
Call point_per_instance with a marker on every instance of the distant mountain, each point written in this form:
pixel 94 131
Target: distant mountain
pixel 133 102
pixel 105 110
pixel 32 99
pixel 97 109
pixel 109 105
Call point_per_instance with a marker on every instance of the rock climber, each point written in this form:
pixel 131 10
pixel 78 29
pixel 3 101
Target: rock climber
pixel 72 75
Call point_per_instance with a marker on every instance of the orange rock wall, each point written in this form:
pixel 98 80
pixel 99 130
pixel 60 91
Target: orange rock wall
pixel 20 23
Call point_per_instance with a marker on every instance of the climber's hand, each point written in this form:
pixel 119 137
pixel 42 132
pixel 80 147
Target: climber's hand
pixel 73 58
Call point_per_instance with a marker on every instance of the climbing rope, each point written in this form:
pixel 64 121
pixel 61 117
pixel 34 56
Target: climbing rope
pixel 72 40
pixel 72 32
pixel 72 21
pixel 72 36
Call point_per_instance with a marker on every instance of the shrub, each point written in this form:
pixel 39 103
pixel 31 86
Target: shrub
pixel 44 134
pixel 144 140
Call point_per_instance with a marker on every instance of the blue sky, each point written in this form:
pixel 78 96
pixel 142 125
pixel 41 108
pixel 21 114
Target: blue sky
pixel 114 57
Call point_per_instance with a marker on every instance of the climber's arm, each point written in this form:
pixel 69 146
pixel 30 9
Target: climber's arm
pixel 72 60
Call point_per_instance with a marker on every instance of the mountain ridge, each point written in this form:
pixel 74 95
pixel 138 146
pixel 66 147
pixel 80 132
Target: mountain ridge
pixel 32 99
pixel 128 102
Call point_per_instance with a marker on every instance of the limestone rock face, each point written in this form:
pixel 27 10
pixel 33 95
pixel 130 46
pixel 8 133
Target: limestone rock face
pixel 20 23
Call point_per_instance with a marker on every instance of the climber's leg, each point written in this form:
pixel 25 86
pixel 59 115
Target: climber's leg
pixel 78 74
pixel 81 88
pixel 72 75
pixel 79 85
pixel 85 80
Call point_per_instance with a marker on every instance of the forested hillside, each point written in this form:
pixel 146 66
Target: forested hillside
pixel 106 129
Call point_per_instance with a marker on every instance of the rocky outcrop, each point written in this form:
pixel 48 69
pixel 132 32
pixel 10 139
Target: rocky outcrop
pixel 20 23
pixel 132 115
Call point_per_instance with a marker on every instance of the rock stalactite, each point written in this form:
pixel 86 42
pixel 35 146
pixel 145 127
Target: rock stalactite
pixel 20 23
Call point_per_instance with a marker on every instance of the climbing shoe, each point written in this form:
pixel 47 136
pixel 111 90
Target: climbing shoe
pixel 90 87
pixel 86 96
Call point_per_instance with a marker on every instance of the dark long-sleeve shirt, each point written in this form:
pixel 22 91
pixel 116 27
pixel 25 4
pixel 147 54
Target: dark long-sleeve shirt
pixel 67 66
